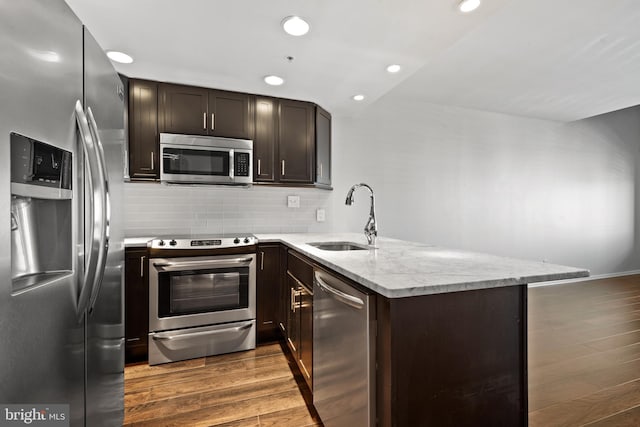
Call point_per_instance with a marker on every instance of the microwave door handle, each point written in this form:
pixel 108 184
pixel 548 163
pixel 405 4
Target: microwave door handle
pixel 231 164
pixel 91 179
pixel 105 211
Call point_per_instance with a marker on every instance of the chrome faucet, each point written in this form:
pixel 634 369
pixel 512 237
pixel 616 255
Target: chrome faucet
pixel 371 227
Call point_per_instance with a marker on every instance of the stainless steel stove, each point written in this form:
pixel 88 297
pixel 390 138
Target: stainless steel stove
pixel 202 296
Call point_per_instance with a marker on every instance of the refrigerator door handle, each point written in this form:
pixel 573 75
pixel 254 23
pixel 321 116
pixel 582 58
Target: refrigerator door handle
pixel 88 148
pixel 102 220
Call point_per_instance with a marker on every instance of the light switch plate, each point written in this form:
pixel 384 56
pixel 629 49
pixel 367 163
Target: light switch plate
pixel 320 215
pixel 293 201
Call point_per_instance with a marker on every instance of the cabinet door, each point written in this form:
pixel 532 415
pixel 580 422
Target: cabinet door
pixel 144 142
pixel 296 132
pixel 264 143
pixel 183 109
pixel 268 292
pixel 293 321
pixel 284 298
pixel 323 146
pixel 136 300
pixel 230 114
pixel 306 335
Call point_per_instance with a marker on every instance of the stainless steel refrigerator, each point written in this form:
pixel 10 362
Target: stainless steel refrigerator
pixel 61 295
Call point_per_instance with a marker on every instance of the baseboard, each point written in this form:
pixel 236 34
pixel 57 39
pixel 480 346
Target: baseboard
pixel 584 279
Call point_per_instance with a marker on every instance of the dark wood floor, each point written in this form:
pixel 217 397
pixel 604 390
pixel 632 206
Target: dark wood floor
pixel 584 354
pixel 250 389
pixel 584 369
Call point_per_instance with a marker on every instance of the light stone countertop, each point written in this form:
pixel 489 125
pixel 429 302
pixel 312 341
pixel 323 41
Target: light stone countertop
pixel 402 269
pixel 137 242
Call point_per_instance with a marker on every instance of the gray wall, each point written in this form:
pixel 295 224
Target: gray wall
pixel 528 188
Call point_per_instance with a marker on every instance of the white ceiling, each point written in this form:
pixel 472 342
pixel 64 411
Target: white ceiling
pixel 554 59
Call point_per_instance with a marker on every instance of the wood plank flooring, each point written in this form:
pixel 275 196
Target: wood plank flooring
pixel 252 388
pixel 584 370
pixel 584 353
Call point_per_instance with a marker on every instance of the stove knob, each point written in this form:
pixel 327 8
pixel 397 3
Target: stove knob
pixel 173 243
pixel 236 240
pixel 246 240
pixel 161 243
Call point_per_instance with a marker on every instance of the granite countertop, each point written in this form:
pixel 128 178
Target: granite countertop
pixel 399 268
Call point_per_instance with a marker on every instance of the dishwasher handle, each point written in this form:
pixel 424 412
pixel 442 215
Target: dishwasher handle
pixel 345 298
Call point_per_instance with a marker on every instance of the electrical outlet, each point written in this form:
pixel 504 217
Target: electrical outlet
pixel 293 201
pixel 320 215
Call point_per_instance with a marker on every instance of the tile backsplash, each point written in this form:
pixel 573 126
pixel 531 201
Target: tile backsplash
pixel 155 209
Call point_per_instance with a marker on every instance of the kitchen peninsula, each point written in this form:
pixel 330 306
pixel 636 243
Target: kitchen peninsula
pixel 446 333
pixel 450 334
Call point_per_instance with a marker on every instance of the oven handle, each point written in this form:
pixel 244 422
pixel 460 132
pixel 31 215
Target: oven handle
pixel 169 266
pixel 168 336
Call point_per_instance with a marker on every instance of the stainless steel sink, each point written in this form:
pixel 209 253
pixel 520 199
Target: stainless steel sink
pixel 340 246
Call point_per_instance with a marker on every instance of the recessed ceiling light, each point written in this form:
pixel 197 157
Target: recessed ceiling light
pixel 295 26
pixel 273 80
pixel 120 57
pixel 393 68
pixel 468 5
pixel 358 97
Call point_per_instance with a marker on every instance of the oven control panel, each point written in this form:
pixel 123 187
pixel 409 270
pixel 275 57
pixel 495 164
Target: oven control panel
pixel 203 243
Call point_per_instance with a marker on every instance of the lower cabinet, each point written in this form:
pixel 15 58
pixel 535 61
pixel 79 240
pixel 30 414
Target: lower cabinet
pixel 136 305
pixel 300 318
pixel 268 289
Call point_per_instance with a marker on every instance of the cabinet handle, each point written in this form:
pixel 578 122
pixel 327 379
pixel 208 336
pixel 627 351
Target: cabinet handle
pixel 262 260
pixel 204 121
pixel 320 169
pixel 142 266
pixel 213 121
pixel 283 168
pixel 152 162
pixel 258 167
pixel 293 300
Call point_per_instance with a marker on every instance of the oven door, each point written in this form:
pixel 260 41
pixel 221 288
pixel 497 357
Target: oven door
pixel 196 164
pixel 198 291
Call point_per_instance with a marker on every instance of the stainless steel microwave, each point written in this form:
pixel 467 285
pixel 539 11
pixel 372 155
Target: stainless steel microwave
pixel 205 160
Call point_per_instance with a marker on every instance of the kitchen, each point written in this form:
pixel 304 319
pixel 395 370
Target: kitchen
pixel 480 161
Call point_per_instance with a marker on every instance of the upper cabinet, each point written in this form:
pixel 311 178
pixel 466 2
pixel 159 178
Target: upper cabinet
pixel 295 141
pixel 144 141
pixel 323 147
pixel 291 139
pixel 183 109
pixel 265 141
pixel 230 114
pixel 199 111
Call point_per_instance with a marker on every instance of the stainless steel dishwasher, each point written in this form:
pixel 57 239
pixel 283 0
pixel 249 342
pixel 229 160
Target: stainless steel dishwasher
pixel 343 353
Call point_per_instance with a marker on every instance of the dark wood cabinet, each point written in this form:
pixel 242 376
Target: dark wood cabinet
pixel 230 114
pixel 144 141
pixel 300 318
pixel 268 288
pixel 265 140
pixel 200 111
pixel 136 297
pixel 183 109
pixel 291 139
pixel 295 141
pixel 284 303
pixel 323 146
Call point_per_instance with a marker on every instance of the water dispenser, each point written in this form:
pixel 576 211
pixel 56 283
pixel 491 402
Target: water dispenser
pixel 41 212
